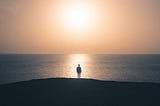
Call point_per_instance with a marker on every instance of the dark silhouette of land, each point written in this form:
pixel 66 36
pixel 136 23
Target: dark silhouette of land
pixel 79 92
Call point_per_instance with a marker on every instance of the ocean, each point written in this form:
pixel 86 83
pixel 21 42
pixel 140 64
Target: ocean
pixel 122 67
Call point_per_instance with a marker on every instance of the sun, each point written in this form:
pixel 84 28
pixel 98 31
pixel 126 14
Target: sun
pixel 78 17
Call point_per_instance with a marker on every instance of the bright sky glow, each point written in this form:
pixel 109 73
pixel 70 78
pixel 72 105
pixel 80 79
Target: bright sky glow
pixel 78 16
pixel 80 26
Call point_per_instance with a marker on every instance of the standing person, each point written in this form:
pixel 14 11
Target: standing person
pixel 79 71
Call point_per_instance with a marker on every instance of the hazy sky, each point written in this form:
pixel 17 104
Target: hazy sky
pixel 117 26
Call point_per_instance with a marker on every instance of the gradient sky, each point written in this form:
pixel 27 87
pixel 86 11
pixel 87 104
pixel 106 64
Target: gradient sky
pixel 120 26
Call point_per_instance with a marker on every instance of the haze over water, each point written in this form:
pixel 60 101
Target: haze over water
pixel 135 68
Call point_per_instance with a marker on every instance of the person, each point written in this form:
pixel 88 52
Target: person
pixel 79 71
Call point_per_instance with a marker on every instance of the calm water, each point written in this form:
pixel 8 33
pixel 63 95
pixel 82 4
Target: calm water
pixel 139 68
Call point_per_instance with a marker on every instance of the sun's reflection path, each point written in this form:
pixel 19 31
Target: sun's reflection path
pixel 73 62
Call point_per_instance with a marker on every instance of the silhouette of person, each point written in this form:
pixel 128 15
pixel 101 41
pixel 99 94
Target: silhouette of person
pixel 79 71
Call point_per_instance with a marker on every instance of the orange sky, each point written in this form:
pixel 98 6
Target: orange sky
pixel 116 26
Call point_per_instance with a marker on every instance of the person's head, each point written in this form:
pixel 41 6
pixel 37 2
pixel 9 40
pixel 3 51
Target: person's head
pixel 78 65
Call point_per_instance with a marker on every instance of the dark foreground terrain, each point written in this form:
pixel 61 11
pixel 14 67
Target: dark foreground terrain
pixel 79 92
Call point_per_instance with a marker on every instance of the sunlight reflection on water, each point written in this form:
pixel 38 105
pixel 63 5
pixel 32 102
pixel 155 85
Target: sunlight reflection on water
pixel 73 61
pixel 91 68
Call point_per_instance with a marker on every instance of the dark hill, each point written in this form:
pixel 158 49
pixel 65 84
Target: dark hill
pixel 79 92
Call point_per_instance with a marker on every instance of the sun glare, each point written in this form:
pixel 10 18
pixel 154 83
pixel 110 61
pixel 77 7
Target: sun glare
pixel 78 16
